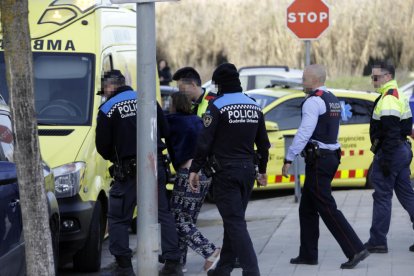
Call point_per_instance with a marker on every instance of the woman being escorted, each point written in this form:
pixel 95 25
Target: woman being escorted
pixel 186 204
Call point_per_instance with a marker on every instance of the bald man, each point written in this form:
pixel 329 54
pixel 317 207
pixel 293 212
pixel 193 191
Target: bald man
pixel 317 140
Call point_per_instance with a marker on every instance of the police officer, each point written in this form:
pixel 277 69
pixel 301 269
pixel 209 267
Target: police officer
pixel 390 125
pixel 189 81
pixel 317 137
pixel 116 141
pixel 233 123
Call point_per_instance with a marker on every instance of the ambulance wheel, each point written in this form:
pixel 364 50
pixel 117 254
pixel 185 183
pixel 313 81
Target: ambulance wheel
pixel 55 232
pixel 88 259
pixel 368 183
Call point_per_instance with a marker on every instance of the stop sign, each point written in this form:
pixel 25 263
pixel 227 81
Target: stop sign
pixel 308 19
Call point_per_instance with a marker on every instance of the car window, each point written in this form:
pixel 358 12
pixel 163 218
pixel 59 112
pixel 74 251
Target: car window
pixel 262 100
pixel 287 114
pixel 355 111
pixel 263 81
pixel 243 81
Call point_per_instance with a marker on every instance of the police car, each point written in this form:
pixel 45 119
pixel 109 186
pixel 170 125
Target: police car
pixel 282 111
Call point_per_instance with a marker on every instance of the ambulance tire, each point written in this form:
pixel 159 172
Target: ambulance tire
pixel 55 232
pixel 368 183
pixel 88 259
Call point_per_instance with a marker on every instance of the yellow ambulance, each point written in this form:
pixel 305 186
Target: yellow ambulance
pixel 73 43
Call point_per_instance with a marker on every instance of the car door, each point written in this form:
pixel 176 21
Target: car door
pixel 12 258
pixel 355 141
pixel 11 238
pixel 286 112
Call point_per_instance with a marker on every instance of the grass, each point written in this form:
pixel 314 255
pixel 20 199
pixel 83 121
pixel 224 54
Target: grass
pixel 363 83
pixel 204 33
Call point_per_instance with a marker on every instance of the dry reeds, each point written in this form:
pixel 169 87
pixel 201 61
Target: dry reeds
pixel 203 33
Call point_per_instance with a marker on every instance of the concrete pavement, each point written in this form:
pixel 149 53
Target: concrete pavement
pixel 274 228
pixel 273 224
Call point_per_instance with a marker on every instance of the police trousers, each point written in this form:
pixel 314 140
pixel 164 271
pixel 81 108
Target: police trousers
pixel 317 200
pixel 399 181
pixel 169 237
pixel 122 201
pixel 232 187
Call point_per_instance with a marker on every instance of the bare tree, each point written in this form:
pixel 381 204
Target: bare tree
pixel 19 68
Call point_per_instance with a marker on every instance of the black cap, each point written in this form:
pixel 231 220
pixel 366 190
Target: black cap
pixel 187 73
pixel 114 74
pixel 226 78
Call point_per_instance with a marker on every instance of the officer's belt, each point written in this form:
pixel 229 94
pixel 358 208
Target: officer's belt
pixel 327 151
pixel 229 160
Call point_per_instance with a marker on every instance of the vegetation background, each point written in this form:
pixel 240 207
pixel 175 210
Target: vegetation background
pixel 205 33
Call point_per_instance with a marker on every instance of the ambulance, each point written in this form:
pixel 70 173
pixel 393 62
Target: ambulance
pixel 73 43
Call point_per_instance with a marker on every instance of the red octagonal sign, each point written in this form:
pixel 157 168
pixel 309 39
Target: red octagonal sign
pixel 308 19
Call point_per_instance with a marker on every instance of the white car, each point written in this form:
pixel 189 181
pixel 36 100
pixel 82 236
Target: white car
pixel 256 77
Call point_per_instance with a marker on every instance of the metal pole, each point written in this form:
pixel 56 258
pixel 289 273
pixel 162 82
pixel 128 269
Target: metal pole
pixel 308 52
pixel 297 180
pixel 147 198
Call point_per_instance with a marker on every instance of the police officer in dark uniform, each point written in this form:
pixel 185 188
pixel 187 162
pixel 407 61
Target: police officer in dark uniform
pixel 233 123
pixel 116 141
pixel 317 138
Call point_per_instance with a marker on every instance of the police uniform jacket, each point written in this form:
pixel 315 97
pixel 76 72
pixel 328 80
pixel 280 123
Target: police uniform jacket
pixel 391 120
pixel 233 123
pixel 116 126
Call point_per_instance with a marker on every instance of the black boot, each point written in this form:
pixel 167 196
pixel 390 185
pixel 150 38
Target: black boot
pixel 172 268
pixel 124 266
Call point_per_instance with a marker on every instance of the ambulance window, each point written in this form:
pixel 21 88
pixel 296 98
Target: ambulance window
pixel 107 64
pixel 287 114
pixel 355 111
pixel 63 88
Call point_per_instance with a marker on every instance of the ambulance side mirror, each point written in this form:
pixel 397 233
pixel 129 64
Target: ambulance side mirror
pixel 271 126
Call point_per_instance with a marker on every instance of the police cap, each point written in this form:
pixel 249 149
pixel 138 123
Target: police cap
pixel 226 78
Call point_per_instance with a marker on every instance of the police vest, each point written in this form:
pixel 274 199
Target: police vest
pixel 327 128
pixel 391 103
pixel 200 108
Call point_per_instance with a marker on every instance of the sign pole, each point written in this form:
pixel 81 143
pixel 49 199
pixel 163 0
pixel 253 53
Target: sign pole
pixel 307 52
pixel 147 220
pixel 148 230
